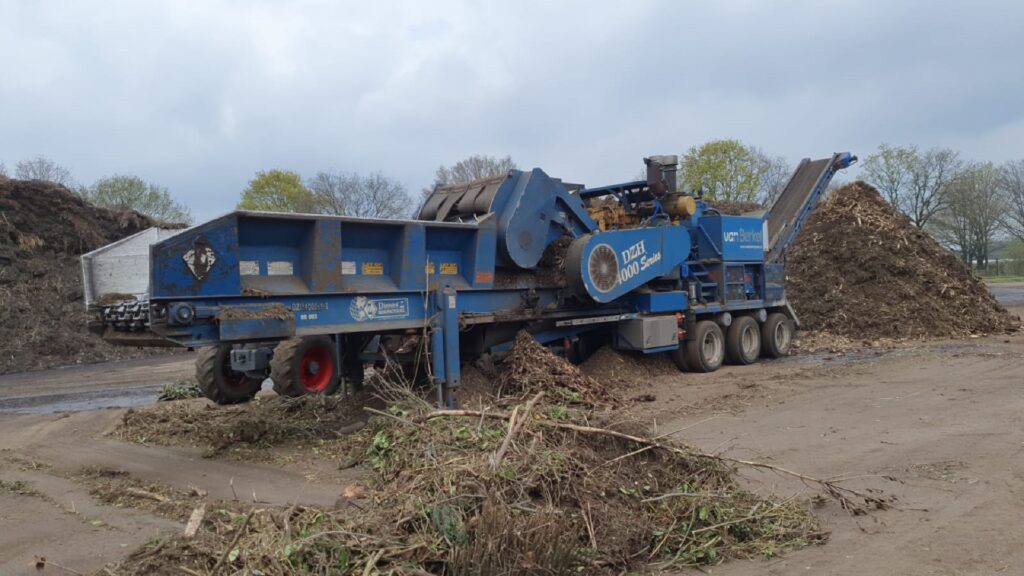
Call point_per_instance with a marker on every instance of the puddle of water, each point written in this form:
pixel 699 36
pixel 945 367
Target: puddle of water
pixel 80 401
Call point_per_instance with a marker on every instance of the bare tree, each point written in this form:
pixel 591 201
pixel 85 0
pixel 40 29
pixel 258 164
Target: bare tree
pixel 1011 183
pixel 475 167
pixel 3 169
pixel 890 170
pixel 351 194
pixel 931 172
pixel 971 214
pixel 775 173
pixel 42 168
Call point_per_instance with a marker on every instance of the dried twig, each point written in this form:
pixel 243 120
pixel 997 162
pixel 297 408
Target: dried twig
pixel 514 426
pixel 234 542
pixel 195 520
pixel 146 494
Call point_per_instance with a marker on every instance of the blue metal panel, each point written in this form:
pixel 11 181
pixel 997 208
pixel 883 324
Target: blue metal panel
pixel 674 301
pixel 483 255
pixel 731 238
pixel 202 261
pixel 529 205
pixel 774 282
pixel 242 329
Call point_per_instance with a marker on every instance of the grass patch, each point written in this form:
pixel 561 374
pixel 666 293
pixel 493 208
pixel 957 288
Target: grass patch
pixel 1002 279
pixel 17 487
pixel 181 390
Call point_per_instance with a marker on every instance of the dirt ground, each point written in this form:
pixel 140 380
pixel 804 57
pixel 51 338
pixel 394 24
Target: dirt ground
pixel 938 424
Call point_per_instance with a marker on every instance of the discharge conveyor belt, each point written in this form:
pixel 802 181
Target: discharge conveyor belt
pixel 784 212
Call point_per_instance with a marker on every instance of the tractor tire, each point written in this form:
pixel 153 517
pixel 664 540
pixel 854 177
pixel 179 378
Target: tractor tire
pixel 704 350
pixel 679 358
pixel 743 341
pixel 306 366
pixel 218 382
pixel 777 335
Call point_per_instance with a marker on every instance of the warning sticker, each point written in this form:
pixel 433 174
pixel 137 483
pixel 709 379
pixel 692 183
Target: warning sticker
pixel 484 277
pixel 249 268
pixel 430 268
pixel 280 268
pixel 373 268
pixel 348 267
pixel 449 268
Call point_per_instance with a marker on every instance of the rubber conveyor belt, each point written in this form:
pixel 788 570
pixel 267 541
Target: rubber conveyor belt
pixel 791 202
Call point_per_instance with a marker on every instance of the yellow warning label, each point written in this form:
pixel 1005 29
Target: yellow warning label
pixel 449 268
pixel 430 268
pixel 373 268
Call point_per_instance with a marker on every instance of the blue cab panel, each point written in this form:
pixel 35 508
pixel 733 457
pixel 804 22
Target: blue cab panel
pixel 731 238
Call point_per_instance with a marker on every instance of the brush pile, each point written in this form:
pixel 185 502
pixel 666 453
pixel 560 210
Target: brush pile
pixel 44 227
pixel 860 269
pixel 542 485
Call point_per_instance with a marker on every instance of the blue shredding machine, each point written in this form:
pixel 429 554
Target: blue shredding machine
pixel 311 300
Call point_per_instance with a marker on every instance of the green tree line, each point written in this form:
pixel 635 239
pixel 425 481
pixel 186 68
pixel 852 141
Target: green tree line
pixel 965 204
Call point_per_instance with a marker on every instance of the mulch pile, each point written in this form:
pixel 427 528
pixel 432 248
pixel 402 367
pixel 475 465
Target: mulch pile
pixel 531 367
pixel 44 227
pixel 735 207
pixel 620 370
pixel 860 269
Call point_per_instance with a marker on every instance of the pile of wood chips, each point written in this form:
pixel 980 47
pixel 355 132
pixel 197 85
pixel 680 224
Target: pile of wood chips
pixel 862 270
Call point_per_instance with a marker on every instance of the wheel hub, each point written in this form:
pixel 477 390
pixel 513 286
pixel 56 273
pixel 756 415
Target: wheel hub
pixel 316 369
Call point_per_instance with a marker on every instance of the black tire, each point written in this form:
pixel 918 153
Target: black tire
pixel 704 350
pixel 777 334
pixel 743 341
pixel 304 366
pixel 679 358
pixel 218 382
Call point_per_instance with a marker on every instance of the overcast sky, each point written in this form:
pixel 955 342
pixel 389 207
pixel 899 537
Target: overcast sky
pixel 198 96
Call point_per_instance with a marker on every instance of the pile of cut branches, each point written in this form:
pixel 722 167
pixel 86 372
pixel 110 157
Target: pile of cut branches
pixel 545 484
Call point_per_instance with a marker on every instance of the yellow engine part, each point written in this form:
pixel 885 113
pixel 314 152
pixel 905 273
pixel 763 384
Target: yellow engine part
pixel 680 206
pixel 610 215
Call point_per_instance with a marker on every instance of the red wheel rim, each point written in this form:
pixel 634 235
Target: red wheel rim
pixel 316 369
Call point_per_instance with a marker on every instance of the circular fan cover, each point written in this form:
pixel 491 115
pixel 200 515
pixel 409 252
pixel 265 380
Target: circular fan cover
pixel 603 267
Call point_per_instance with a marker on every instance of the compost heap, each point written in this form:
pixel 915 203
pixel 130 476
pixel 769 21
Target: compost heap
pixel 44 227
pixel 860 269
pixel 736 207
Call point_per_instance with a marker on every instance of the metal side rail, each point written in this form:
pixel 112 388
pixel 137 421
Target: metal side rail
pixel 803 191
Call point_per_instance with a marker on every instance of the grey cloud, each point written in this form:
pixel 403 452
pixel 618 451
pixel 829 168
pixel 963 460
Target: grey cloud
pixel 199 95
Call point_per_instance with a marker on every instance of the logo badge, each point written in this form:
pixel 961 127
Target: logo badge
pixel 362 309
pixel 200 258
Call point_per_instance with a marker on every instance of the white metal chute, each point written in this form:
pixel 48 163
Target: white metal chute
pixel 121 267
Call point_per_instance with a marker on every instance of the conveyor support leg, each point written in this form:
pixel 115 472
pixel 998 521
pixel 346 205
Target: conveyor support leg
pixel 445 347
